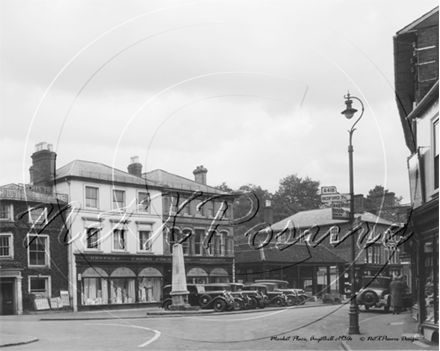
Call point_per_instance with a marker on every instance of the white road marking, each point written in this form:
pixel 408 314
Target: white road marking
pixel 156 332
pixel 397 323
pixel 421 344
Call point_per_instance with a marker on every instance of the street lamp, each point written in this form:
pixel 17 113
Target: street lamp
pixel 349 112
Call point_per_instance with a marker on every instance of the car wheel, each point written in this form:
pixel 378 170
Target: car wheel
pixel 278 302
pixel 369 298
pixel 219 305
pixel 204 300
pixel 238 305
pixel 291 300
pixel 167 304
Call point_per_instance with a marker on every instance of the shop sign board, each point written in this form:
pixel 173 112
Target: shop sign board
pixel 340 213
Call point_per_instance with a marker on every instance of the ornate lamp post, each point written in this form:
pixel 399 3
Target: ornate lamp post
pixel 354 312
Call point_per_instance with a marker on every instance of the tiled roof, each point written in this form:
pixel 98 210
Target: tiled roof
pixel 294 254
pixel 99 171
pixel 323 216
pixel 177 182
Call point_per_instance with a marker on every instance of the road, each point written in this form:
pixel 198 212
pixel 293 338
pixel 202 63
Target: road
pixel 280 329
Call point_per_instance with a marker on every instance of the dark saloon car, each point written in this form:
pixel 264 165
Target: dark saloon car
pixel 240 300
pixel 271 297
pixel 218 297
pixel 195 291
pixel 294 296
pixel 255 294
pixel 375 292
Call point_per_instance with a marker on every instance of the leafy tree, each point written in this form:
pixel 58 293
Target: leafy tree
pixel 384 204
pixel 295 194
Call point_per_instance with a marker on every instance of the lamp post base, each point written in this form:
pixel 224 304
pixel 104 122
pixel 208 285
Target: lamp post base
pixel 353 328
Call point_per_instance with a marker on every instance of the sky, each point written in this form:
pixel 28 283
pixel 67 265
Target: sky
pixel 251 90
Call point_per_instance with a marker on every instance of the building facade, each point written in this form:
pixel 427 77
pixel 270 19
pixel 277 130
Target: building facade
pixel 33 253
pixel 200 218
pixel 416 84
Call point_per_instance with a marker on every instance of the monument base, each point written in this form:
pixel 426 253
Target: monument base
pixel 180 304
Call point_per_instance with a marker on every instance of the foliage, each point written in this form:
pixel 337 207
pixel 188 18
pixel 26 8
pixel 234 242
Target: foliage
pixel 295 194
pixel 384 204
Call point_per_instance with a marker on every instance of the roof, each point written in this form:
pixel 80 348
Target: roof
pixel 321 217
pixel 19 192
pixel 418 21
pixel 292 255
pixel 99 171
pixel 175 181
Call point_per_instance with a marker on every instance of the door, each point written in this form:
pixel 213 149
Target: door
pixel 7 298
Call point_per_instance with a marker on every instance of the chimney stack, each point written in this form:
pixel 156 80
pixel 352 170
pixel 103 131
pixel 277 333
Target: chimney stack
pixel 200 174
pixel 135 168
pixel 43 167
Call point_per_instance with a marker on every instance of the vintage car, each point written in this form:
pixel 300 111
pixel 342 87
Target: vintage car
pixel 256 294
pixel 241 301
pixel 375 292
pixel 271 297
pixel 294 296
pixel 218 297
pixel 249 297
pixel 195 291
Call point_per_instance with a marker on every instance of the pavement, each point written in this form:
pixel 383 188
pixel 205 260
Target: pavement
pixel 379 332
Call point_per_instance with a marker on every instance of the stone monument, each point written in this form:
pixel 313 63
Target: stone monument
pixel 179 290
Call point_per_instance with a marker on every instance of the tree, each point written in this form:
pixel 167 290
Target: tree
pixel 384 204
pixel 248 207
pixel 295 194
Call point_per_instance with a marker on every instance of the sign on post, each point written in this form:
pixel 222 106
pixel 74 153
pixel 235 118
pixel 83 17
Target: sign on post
pixel 340 213
pixel 335 198
pixel 328 190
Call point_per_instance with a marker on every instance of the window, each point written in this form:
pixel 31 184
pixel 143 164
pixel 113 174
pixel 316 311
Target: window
pixel 185 210
pixel 144 240
pixel 6 212
pixel 118 199
pixel 222 244
pixel 6 247
pixel 40 286
pixel 230 247
pixel 334 234
pixel 393 256
pixel 38 250
pixel 373 254
pixel 198 241
pixel 119 240
pixel 92 197
pixel 144 202
pixel 436 142
pixel 93 235
pixel 187 233
pixel 38 215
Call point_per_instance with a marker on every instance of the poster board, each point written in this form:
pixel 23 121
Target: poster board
pixel 41 303
pixel 65 299
pixel 55 303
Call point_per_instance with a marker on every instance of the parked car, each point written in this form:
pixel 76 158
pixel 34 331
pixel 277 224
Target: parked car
pixel 249 297
pixel 375 292
pixel 270 296
pixel 294 296
pixel 218 297
pixel 241 301
pixel 321 289
pixel 195 291
pixel 255 294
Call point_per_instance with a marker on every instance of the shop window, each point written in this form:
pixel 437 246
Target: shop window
pixel 6 212
pixel 92 197
pixel 93 236
pixel 38 250
pixel 431 280
pixel 122 290
pixel 118 199
pixel 6 246
pixel 149 289
pixel 38 215
pixel 94 291
pixel 39 286
pixel 144 240
pixel 143 202
pixel 119 240
pixel 436 142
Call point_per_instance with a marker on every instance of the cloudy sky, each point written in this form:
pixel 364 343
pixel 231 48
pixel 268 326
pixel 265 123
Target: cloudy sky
pixel 252 90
